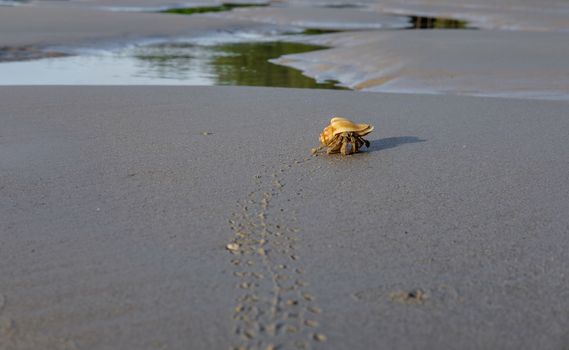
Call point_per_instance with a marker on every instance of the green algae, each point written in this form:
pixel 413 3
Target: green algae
pixel 318 31
pixel 207 9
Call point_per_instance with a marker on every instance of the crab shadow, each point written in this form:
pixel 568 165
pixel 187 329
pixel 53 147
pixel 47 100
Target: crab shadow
pixel 392 142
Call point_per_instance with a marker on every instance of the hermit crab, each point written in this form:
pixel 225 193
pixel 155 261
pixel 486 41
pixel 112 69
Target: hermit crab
pixel 343 136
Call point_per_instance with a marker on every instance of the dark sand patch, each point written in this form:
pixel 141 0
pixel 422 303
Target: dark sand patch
pixel 25 53
pixel 421 22
pixel 416 296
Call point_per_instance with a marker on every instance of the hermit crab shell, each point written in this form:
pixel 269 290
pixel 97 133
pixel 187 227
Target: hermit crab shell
pixel 339 125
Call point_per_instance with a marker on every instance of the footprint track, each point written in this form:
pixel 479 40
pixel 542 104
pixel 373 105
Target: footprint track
pixel 275 309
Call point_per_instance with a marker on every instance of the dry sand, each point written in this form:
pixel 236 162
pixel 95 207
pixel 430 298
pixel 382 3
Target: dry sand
pixel 116 209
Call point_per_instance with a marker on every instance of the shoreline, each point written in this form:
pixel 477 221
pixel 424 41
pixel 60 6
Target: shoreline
pixel 464 62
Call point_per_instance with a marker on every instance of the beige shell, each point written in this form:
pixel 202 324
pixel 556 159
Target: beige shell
pixel 339 125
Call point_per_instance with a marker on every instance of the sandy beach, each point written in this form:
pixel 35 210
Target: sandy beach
pixel 117 209
pixel 196 217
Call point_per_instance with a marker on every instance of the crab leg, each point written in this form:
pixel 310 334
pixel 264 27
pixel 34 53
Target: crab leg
pixel 345 141
pixel 335 144
pixel 354 141
pixel 317 149
pixel 360 142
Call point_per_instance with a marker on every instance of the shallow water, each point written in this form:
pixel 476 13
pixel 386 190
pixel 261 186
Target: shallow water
pixel 224 59
pixel 239 63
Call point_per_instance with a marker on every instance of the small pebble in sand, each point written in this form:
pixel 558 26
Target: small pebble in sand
pixel 245 285
pixel 232 247
pixel 319 337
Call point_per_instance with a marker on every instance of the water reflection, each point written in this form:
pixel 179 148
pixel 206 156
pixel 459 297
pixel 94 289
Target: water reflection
pixel 245 63
pixel 248 64
pixel 242 63
pixel 172 61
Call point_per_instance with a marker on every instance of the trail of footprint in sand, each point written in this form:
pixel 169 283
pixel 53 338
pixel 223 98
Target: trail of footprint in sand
pixel 275 309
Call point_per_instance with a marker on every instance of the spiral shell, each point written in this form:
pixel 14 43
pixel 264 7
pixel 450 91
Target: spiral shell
pixel 339 125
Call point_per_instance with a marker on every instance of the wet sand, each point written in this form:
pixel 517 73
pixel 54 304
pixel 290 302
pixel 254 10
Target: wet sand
pixel 78 27
pixel 529 62
pixel 319 17
pixel 117 205
pixel 462 62
pixel 524 15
